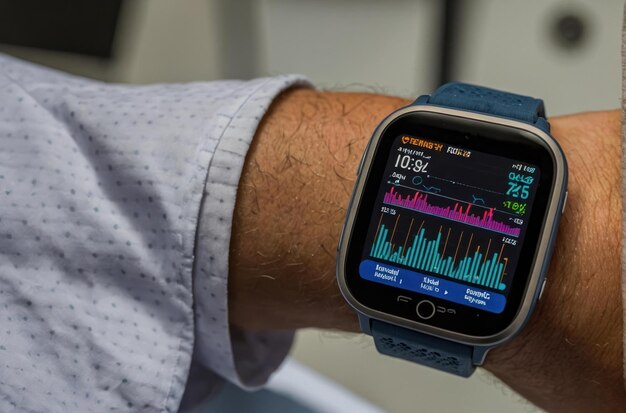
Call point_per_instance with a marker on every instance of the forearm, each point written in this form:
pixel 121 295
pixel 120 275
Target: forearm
pixel 291 204
pixel 292 201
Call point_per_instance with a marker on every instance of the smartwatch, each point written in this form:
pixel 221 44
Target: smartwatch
pixel 451 225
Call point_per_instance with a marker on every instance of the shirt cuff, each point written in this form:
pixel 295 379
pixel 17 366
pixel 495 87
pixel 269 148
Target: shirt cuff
pixel 244 358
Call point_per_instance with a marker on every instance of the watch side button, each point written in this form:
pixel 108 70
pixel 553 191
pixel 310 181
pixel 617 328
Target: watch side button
pixel 564 202
pixel 542 288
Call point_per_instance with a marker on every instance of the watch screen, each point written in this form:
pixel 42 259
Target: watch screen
pixel 449 222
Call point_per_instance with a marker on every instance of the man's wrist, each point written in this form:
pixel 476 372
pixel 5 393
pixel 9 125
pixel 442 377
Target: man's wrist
pixel 291 203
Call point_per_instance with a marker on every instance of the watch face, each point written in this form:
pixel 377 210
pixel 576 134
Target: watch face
pixel 448 223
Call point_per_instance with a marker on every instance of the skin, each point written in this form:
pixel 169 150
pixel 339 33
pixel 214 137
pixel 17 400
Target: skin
pixel 292 200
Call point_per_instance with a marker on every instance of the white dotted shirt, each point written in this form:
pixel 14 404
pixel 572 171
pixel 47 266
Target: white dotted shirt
pixel 116 204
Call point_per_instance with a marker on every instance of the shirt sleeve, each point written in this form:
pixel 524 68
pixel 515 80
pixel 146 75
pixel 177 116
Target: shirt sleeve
pixel 244 358
pixel 115 209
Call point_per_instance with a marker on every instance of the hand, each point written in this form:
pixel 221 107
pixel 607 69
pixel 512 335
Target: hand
pixel 572 347
pixel 292 201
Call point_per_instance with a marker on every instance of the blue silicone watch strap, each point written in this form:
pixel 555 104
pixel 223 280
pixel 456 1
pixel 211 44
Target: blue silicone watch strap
pixel 431 351
pixel 490 101
pixel 422 348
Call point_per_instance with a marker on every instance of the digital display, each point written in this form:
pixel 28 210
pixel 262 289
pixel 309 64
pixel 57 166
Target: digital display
pixel 449 222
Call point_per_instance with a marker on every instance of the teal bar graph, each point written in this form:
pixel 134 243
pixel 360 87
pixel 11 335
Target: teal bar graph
pixel 424 254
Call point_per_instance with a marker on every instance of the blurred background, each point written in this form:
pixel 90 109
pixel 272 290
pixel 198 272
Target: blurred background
pixel 567 52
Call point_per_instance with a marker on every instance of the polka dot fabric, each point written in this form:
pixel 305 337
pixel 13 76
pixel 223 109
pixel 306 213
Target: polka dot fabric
pixel 116 205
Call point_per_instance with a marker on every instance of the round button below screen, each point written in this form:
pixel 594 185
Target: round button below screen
pixel 425 309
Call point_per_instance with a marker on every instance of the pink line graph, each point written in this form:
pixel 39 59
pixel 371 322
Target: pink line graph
pixel 418 202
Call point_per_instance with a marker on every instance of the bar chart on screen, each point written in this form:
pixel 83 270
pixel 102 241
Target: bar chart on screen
pixel 447 251
pixel 459 211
